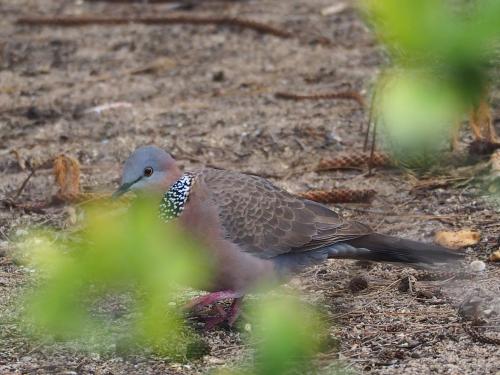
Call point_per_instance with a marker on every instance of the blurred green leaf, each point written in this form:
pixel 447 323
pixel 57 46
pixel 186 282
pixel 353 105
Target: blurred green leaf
pixel 445 54
pixel 417 115
pixel 132 252
pixel 458 41
pixel 287 335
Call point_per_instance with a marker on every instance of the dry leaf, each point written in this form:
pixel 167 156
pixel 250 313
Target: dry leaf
pixel 495 256
pixel 67 176
pixel 457 240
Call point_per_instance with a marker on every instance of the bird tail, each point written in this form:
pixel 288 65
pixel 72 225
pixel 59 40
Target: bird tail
pixel 381 248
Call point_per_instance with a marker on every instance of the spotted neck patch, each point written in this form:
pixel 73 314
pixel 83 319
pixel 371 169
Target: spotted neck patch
pixel 175 199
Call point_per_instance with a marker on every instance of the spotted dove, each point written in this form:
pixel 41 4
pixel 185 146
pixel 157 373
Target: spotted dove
pixel 255 232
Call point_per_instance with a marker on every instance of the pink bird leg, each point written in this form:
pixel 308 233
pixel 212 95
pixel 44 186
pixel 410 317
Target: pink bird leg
pixel 210 298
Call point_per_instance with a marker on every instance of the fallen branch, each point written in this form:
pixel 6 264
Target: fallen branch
pixel 354 160
pixel 434 183
pixel 348 95
pixel 66 171
pixel 58 200
pixel 429 275
pixel 25 182
pixel 339 196
pixel 76 21
pixel 145 1
pixel 478 336
pixel 36 207
pixel 133 1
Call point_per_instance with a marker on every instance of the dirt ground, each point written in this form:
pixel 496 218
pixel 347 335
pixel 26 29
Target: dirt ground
pixel 206 93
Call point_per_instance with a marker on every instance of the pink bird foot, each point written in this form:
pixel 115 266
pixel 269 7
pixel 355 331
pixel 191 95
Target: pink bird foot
pixel 228 316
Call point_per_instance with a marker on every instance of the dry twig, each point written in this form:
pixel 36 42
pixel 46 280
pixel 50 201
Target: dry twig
pixel 25 182
pixel 428 275
pixel 36 207
pixel 133 1
pixel 434 183
pixel 348 95
pixel 148 1
pixel 76 21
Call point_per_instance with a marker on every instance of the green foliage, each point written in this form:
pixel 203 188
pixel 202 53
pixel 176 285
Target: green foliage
pixel 456 39
pixel 132 253
pixel 443 55
pixel 287 336
pixel 416 115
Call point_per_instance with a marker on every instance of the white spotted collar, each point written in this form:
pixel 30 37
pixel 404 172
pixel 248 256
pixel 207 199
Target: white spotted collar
pixel 175 199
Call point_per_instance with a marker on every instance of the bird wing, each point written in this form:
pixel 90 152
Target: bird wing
pixel 267 221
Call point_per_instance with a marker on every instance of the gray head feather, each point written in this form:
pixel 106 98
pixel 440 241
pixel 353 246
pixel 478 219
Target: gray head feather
pixel 143 160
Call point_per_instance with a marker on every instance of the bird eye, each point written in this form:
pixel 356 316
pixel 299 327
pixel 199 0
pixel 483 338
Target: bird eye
pixel 148 171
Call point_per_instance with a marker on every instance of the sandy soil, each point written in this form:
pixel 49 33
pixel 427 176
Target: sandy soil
pixel 206 93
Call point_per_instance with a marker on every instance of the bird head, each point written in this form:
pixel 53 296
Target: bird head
pixel 148 170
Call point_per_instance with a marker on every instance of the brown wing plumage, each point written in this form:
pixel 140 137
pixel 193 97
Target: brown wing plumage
pixel 267 221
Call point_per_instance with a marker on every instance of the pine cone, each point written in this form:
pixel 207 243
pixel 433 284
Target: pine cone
pixel 352 160
pixel 339 196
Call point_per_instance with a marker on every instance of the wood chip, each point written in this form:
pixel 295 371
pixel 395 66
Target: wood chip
pixel 458 239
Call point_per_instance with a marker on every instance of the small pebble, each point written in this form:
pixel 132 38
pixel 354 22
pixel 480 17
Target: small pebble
pixel 218 76
pixel 357 284
pixel 495 256
pixel 477 266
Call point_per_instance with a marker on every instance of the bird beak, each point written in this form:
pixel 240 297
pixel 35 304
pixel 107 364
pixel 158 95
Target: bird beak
pixel 122 189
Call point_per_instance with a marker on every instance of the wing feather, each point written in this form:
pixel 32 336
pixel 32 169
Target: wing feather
pixel 267 221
